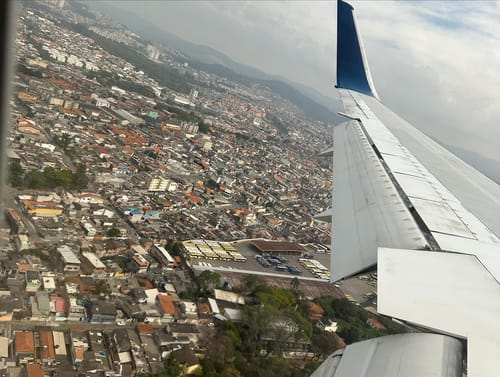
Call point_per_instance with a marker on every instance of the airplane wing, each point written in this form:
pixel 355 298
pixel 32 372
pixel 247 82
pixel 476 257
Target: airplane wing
pixel 430 220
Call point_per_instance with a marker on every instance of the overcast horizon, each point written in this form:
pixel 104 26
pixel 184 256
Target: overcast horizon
pixel 432 62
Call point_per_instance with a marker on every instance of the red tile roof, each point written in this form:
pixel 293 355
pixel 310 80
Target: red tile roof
pixel 376 324
pixel 146 282
pixel 24 342
pixel 144 328
pixel 47 343
pixel 315 311
pixel 167 304
pixel 60 304
pixel 35 370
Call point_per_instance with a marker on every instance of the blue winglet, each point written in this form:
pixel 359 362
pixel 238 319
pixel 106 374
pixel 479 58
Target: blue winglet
pixel 352 69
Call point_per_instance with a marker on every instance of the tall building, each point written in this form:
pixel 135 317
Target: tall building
pixel 153 52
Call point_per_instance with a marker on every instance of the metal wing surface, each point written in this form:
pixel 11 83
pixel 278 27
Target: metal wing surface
pixel 394 186
pixel 430 220
pixel 371 212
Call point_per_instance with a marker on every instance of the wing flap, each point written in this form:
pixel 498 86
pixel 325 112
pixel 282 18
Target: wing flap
pixel 371 210
pixel 451 293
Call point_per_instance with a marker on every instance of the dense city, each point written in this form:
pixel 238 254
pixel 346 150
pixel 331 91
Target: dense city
pixel 160 217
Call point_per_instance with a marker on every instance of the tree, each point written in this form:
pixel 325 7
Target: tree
pixel 63 141
pixel 280 298
pixel 102 287
pixel 257 321
pixel 203 128
pixel 295 283
pixel 222 346
pixel 351 333
pixel 252 284
pixel 35 179
pixel 323 343
pixel 171 244
pixel 172 367
pixel 113 232
pixel 206 282
pixel 16 173
pixel 326 303
pixel 80 179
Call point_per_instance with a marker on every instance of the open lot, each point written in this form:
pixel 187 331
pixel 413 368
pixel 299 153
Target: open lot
pixel 359 289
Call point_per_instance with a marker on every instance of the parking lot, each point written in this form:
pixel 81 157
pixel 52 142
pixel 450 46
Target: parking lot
pixel 361 290
pixel 251 264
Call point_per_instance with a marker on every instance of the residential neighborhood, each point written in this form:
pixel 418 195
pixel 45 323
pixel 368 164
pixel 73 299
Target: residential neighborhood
pixel 152 206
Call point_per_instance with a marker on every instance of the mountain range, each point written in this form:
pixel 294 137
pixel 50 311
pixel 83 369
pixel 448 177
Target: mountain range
pixel 314 104
pixel 489 167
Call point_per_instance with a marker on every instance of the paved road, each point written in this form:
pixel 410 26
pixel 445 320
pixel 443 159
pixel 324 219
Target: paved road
pixel 62 325
pixel 358 288
pixel 10 201
pixel 255 272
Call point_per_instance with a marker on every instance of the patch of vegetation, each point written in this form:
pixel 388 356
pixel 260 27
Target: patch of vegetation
pixel 255 346
pixel 29 71
pixel 352 320
pixel 49 178
pixel 277 123
pixel 113 232
pixel 278 319
pixel 15 174
pixel 37 253
pixel 108 79
pixel 63 141
pixel 206 282
pixel 102 287
pixel 172 369
pixel 180 114
pixel 203 128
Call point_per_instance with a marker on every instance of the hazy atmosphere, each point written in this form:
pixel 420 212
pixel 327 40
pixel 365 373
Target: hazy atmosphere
pixel 184 197
pixel 432 62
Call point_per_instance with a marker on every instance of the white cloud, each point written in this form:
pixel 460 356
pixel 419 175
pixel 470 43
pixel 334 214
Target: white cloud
pixel 435 63
pixel 441 68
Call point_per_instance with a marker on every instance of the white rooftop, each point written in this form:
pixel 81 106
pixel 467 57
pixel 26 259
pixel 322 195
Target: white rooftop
pixel 67 255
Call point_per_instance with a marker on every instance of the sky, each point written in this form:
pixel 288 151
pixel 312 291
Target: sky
pixel 436 64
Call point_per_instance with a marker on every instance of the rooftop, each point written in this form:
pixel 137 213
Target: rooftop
pixel 47 343
pixel 35 370
pixel 24 342
pixel 278 247
pixel 68 255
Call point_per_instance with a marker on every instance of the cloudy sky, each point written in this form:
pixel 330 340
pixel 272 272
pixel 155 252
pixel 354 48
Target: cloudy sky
pixel 437 64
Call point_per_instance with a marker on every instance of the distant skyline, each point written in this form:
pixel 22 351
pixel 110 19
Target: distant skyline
pixel 434 63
